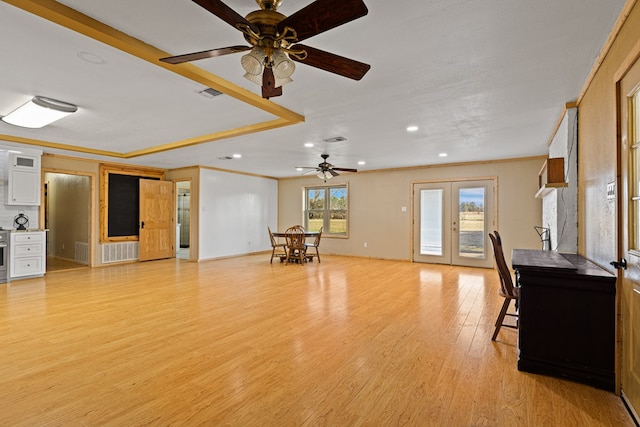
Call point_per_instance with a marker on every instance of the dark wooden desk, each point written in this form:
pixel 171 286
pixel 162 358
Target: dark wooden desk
pixel 566 317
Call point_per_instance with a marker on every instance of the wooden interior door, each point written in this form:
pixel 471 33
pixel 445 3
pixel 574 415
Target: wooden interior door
pixel 629 236
pixel 157 225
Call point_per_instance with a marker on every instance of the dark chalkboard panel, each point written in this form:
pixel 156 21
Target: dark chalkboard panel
pixel 124 204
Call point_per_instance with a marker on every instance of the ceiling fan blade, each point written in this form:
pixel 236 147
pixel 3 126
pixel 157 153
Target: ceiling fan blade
pixel 333 172
pixel 225 13
pixel 323 15
pixel 187 57
pixel 269 88
pixel 345 170
pixel 332 63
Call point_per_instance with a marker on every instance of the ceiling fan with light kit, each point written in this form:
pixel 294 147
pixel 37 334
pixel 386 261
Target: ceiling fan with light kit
pixel 325 170
pixel 274 41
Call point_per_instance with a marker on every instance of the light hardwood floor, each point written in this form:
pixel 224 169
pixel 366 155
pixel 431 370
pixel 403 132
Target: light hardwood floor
pixel 60 264
pixel 242 342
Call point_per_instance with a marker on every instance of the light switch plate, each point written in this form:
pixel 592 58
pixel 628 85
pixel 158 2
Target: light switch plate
pixel 611 191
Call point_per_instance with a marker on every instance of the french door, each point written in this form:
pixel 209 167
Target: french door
pixel 629 234
pixel 451 222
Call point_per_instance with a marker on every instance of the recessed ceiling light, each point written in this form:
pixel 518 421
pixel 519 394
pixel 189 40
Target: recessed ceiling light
pixel 308 144
pixel 362 162
pixel 237 155
pixel 299 169
pixel 412 128
pixel 443 154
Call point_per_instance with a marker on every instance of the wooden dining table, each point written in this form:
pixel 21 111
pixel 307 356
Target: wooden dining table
pixel 307 234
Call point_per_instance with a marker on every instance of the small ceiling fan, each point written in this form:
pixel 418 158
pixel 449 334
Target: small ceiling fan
pixel 325 170
pixel 274 40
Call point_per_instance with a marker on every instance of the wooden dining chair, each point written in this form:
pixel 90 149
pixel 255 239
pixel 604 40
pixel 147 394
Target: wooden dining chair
pixel 296 249
pixel 277 249
pixel 315 245
pixel 507 288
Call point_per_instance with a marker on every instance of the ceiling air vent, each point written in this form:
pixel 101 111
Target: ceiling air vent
pixel 335 139
pixel 210 93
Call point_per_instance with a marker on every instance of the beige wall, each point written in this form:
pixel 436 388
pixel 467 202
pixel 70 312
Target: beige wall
pixel 597 148
pixel 376 200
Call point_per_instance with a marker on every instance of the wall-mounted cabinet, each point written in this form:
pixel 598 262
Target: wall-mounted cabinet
pixel 24 179
pixel 551 176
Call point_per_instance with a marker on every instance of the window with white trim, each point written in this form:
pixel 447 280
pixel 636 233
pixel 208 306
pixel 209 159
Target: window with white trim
pixel 327 207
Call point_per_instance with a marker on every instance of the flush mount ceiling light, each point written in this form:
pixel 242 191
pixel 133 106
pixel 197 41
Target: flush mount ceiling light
pixel 39 112
pixel 412 128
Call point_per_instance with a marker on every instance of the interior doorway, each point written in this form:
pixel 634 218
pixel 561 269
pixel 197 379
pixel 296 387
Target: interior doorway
pixel 183 222
pixel 67 216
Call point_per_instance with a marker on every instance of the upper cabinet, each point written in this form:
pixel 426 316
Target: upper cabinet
pixel 24 179
pixel 551 176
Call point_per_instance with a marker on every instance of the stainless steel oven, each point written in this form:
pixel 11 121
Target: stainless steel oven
pixel 4 256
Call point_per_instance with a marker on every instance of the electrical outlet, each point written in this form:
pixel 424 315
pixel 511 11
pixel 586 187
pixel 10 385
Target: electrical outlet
pixel 365 244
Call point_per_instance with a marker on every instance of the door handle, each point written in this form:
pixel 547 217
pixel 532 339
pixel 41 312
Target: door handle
pixel 142 224
pixel 620 264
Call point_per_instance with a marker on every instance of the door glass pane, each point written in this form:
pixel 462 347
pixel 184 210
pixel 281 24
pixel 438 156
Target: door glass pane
pixel 471 220
pixel 431 232
pixel 338 212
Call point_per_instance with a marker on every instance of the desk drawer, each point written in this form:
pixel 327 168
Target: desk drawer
pixel 27 250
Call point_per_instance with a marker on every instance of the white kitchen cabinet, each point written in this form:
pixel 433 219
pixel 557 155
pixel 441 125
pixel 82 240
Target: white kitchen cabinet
pixel 24 179
pixel 28 256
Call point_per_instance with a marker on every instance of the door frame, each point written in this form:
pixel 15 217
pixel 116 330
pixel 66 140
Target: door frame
pixel 413 184
pixel 92 202
pixel 191 203
pixel 622 214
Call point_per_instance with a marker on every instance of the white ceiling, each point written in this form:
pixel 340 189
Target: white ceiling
pixel 483 80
